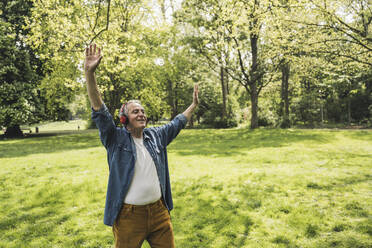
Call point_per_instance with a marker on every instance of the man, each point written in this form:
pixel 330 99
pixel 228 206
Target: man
pixel 139 197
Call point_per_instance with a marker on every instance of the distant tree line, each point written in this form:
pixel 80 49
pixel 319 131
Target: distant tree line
pixel 275 63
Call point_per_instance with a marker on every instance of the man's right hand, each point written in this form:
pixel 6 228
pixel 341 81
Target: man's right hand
pixel 92 58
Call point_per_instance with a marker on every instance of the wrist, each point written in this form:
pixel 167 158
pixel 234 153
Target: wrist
pixel 89 72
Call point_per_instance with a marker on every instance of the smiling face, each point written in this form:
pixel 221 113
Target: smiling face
pixel 137 117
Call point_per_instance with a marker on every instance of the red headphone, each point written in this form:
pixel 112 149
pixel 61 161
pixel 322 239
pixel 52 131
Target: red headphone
pixel 123 117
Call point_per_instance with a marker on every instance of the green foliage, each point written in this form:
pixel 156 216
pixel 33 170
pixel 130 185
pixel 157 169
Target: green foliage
pixel 59 92
pixel 306 109
pixel 20 99
pixel 78 108
pixel 210 104
pixel 266 115
pixel 132 50
pixel 210 108
pixel 233 112
pixel 156 58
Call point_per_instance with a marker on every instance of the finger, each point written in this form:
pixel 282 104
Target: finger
pixel 86 51
pixel 94 52
pixel 90 49
pixel 99 51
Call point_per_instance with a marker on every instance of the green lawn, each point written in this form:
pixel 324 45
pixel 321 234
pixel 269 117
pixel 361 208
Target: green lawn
pixel 48 127
pixel 231 188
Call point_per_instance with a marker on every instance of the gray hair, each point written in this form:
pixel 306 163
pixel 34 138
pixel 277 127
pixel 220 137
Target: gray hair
pixel 125 109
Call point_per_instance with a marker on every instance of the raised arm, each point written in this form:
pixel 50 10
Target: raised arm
pixel 188 112
pixel 92 60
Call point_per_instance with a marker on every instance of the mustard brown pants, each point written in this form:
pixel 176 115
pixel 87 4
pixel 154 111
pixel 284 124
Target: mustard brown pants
pixel 137 223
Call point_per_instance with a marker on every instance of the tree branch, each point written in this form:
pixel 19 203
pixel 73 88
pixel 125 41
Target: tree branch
pixel 239 80
pixel 345 56
pixel 327 26
pixel 335 40
pixel 97 15
pixel 339 20
pixel 107 22
pixel 241 60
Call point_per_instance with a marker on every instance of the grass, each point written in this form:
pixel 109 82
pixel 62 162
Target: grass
pixel 57 126
pixel 231 188
pixel 60 125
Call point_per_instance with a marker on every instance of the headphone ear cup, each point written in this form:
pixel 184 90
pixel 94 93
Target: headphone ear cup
pixel 123 119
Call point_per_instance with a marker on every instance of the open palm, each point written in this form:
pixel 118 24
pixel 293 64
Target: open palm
pixel 92 58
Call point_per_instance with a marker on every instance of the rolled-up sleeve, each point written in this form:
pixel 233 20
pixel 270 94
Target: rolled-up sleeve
pixel 170 130
pixel 105 125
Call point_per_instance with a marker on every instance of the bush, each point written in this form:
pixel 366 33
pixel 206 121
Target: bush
pixel 306 109
pixel 212 116
pixel 266 116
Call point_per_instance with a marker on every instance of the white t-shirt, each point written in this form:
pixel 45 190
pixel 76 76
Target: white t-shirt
pixel 145 185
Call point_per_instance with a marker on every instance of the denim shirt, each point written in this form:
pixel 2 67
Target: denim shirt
pixel 121 157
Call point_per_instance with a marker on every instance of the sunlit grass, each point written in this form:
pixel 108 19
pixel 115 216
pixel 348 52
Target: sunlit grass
pixel 231 188
pixel 70 125
pixel 60 125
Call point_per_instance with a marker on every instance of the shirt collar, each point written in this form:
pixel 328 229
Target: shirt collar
pixel 145 136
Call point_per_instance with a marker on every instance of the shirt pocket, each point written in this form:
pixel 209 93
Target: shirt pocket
pixel 123 154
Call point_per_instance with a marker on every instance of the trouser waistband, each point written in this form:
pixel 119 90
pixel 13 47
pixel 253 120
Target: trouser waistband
pixel 150 205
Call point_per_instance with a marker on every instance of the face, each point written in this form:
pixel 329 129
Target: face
pixel 136 116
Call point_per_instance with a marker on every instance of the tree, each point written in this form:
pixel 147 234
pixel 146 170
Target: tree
pixel 20 74
pixel 338 32
pixel 130 43
pixel 201 21
pixel 343 28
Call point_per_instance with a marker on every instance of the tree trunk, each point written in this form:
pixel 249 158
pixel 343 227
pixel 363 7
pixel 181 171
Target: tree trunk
pixel 349 111
pixel 175 99
pixel 254 106
pixel 171 99
pixel 227 82
pixel 13 132
pixel 284 103
pixel 191 122
pixel 254 80
pixel 224 93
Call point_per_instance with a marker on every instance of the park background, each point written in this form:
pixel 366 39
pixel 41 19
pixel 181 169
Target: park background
pixel 278 153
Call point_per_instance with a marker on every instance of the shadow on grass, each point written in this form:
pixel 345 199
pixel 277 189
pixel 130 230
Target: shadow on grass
pixel 205 213
pixel 34 220
pixel 359 135
pixel 49 143
pixel 222 142
pixel 46 213
pixel 230 142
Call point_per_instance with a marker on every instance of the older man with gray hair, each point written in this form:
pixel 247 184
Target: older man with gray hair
pixel 139 196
